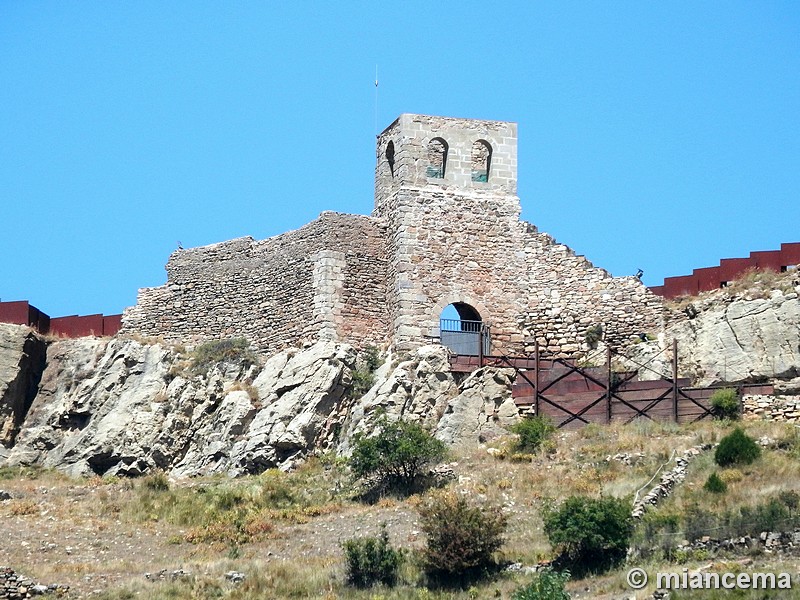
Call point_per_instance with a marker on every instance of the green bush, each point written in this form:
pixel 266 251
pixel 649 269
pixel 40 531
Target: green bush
pixel 395 458
pixel 736 448
pixel 461 538
pixel 548 585
pixel 778 513
pixel 725 404
pixel 772 515
pixel 156 481
pixel 593 335
pixel 715 485
pixel 236 350
pixel 364 374
pixel 699 521
pixel 533 432
pixel 372 560
pixel 590 535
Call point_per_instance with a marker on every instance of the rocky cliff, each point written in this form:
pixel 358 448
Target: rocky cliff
pixel 121 407
pixel 747 333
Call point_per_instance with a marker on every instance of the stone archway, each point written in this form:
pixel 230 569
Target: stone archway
pixel 463 330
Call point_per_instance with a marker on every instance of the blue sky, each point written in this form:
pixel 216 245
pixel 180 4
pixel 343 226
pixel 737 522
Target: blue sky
pixel 661 136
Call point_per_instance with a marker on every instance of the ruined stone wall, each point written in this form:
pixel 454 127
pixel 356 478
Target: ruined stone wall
pixel 445 230
pixel 524 285
pixel 567 295
pixel 456 238
pixel 324 280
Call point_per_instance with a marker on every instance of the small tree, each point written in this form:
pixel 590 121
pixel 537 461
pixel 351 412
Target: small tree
pixel 462 537
pixel 372 560
pixel 533 432
pixel 725 404
pixel 736 448
pixel 590 535
pixel 396 456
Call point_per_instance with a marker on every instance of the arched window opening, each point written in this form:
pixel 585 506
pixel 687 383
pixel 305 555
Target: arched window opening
pixel 481 160
pixel 390 156
pixel 437 158
pixel 463 331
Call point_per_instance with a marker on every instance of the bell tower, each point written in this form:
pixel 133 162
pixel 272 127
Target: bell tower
pixel 421 151
pixel 445 187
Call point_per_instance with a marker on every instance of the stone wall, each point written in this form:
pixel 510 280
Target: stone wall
pixel 567 295
pixel 772 408
pixel 443 231
pixel 326 277
pixel 453 239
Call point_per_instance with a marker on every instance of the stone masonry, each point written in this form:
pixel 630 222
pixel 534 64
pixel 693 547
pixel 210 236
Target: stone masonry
pixel 442 233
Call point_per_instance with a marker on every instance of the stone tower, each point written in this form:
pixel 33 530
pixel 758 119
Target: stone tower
pixel 447 190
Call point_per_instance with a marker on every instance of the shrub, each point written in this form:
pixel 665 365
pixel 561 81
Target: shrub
pixel 364 373
pixel 736 448
pixel 156 481
pixel 372 560
pixel 778 513
pixel 236 350
pixel 772 515
pixel 462 537
pixel 548 585
pixel 532 432
pixel 725 404
pixel 589 535
pixel 396 456
pixel 715 485
pixel 593 335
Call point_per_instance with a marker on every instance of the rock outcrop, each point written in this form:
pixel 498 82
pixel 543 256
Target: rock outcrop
pixel 724 337
pixel 120 407
pixel 123 407
pixel 741 339
pixel 22 361
pixel 424 390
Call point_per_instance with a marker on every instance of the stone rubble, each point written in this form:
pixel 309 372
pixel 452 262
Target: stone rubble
pixel 235 576
pixel 14 586
pixel 772 408
pixel 668 481
pixel 166 574
pixel 770 542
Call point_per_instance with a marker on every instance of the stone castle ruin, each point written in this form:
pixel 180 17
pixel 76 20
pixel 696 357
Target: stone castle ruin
pixel 445 231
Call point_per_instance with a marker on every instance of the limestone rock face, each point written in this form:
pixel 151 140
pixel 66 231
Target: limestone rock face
pixel 741 339
pixel 483 409
pixel 422 389
pixel 115 407
pixel 728 339
pixel 417 389
pixel 22 360
pixel 120 407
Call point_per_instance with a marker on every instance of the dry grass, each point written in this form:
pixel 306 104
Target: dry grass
pixel 283 530
pixel 753 283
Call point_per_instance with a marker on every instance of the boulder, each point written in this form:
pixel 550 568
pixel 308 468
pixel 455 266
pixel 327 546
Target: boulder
pixel 483 410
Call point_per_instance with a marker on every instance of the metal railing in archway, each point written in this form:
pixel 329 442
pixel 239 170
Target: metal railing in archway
pixel 466 338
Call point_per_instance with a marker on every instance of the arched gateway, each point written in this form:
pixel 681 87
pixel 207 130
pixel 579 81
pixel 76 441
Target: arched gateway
pixel 462 330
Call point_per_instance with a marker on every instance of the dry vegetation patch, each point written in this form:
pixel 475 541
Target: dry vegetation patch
pixel 284 530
